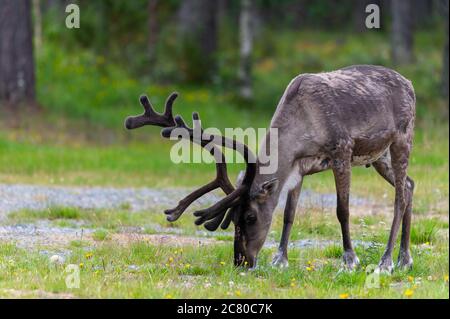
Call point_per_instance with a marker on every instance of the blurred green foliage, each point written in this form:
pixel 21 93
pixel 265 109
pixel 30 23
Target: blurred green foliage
pixel 85 85
pixel 292 37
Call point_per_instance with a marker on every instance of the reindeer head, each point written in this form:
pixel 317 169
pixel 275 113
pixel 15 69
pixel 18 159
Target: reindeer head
pixel 240 206
pixel 252 220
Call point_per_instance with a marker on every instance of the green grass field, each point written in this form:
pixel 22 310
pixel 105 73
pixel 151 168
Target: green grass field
pixel 114 264
pixel 78 139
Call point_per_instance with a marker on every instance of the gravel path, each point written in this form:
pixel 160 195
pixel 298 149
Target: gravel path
pixel 16 197
pixel 43 233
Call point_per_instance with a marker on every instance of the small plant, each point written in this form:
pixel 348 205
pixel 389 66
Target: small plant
pixel 333 251
pixel 424 231
pixel 51 213
pixel 78 243
pixel 125 206
pixel 224 237
pixel 100 235
pixel 63 213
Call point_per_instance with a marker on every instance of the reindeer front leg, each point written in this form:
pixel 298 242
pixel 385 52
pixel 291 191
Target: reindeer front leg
pixel 281 259
pixel 342 173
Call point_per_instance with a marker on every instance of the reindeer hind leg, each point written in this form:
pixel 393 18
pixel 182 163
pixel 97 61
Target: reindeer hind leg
pixel 384 168
pixel 399 152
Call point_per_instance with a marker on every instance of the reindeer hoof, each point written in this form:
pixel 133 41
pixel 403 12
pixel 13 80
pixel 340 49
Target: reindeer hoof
pixel 405 261
pixel 386 266
pixel 351 261
pixel 172 214
pixel 280 260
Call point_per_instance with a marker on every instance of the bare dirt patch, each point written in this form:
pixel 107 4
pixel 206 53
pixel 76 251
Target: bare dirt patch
pixel 163 239
pixel 39 294
pixel 42 235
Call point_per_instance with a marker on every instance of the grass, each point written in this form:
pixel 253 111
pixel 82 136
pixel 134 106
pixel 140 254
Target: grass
pixel 52 213
pixel 141 268
pixel 427 231
pixel 144 270
pixel 100 235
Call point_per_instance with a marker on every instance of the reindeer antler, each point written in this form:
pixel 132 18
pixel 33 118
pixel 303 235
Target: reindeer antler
pixel 214 215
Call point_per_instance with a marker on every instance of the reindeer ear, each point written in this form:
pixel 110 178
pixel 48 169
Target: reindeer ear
pixel 267 189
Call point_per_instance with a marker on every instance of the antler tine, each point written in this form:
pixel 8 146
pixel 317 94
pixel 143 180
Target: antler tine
pixel 169 102
pixel 219 207
pixel 214 223
pixel 180 123
pixel 229 217
pixel 175 213
pixel 145 102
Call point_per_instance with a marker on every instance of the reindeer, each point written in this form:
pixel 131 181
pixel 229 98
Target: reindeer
pixel 358 115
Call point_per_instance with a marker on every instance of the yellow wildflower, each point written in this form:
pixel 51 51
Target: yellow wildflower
pixel 410 278
pixel 446 278
pixel 344 296
pixel 168 296
pixel 238 293
pixel 408 293
pixel 81 265
pixel 222 263
pixel 88 255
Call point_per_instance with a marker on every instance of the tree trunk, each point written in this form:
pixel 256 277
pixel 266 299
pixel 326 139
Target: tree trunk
pixel 17 81
pixel 402 33
pixel 198 36
pixel 246 47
